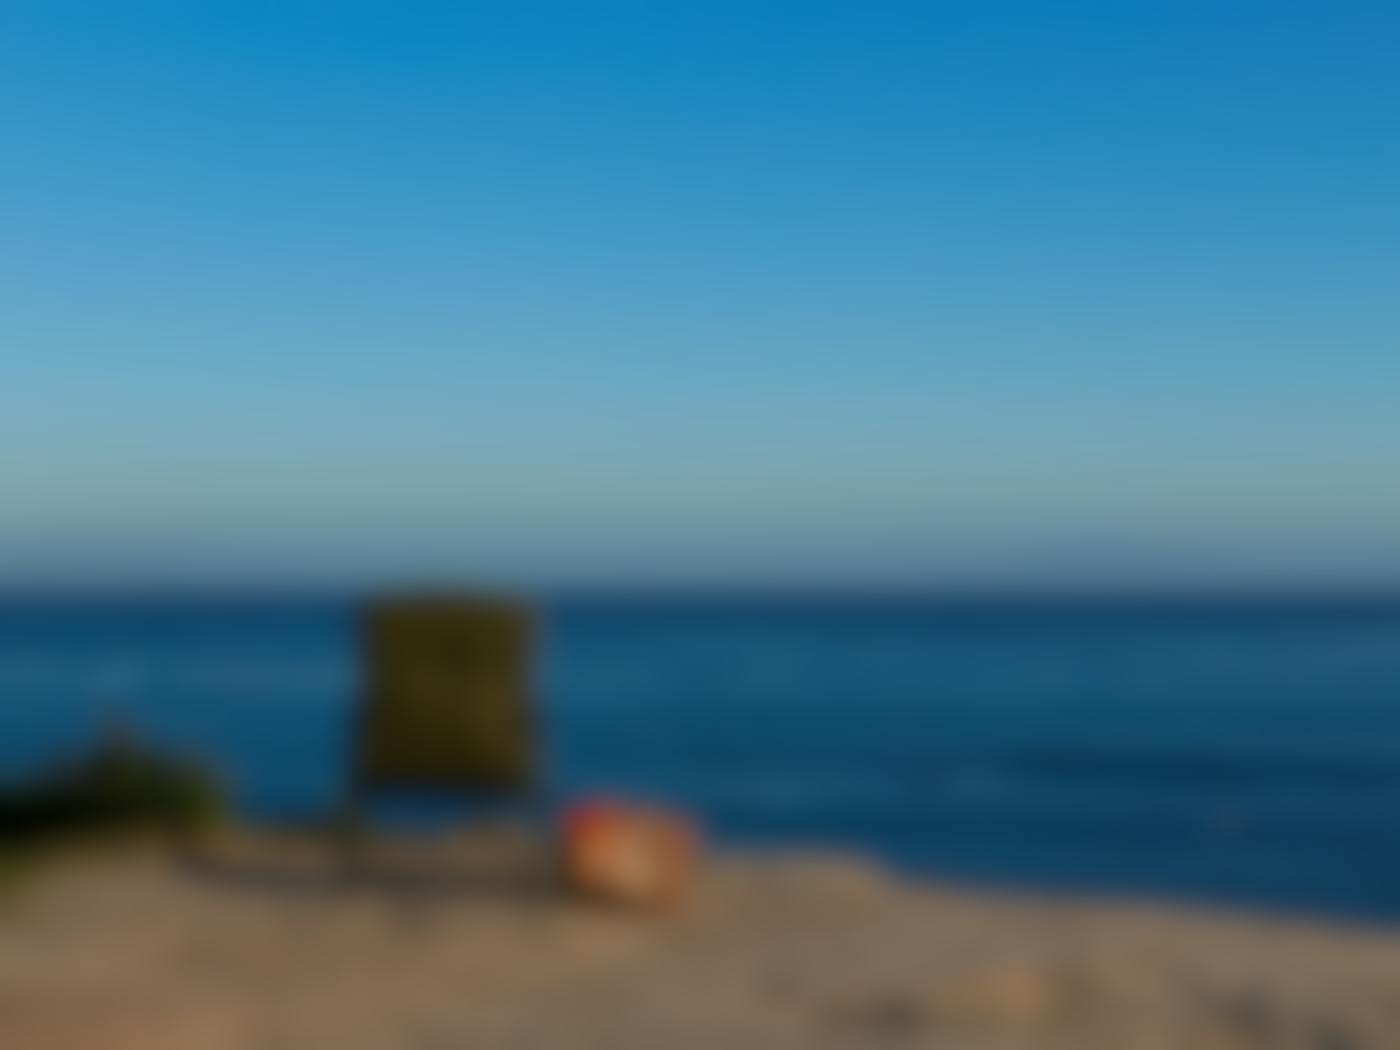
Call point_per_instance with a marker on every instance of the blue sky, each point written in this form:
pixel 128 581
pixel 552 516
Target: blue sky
pixel 766 293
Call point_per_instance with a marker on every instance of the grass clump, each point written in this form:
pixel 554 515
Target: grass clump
pixel 119 789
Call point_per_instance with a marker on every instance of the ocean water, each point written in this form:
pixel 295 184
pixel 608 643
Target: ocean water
pixel 1234 752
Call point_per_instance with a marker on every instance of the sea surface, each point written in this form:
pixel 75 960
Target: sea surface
pixel 1230 751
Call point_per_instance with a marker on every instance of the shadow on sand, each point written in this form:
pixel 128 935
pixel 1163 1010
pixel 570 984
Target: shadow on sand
pixel 508 869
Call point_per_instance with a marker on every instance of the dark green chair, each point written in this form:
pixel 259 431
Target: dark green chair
pixel 447 703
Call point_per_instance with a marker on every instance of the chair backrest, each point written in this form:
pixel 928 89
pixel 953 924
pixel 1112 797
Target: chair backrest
pixel 447 702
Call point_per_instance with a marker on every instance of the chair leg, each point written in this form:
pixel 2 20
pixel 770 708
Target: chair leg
pixel 352 834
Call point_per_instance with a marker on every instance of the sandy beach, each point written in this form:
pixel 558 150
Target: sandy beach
pixel 260 945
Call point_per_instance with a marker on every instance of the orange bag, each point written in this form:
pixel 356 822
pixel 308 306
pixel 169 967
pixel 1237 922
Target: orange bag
pixel 627 854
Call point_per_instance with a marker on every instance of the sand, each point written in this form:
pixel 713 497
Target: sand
pixel 261 946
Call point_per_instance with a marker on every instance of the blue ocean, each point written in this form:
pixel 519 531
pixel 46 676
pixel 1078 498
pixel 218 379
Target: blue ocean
pixel 1229 751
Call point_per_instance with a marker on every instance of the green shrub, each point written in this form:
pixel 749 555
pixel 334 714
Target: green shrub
pixel 120 788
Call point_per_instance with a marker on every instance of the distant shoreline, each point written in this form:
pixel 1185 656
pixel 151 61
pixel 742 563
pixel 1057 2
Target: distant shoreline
pixel 1125 600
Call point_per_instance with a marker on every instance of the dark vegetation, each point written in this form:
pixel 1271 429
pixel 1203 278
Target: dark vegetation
pixel 120 789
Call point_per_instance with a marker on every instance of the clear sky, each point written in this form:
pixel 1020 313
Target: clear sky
pixel 973 293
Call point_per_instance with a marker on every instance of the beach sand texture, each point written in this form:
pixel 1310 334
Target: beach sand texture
pixel 261 946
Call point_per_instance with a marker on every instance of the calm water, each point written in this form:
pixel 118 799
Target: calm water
pixel 1232 752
